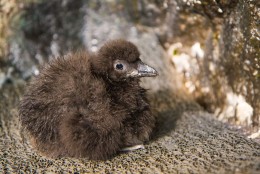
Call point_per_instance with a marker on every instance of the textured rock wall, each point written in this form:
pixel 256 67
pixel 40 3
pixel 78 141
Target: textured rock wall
pixel 8 9
pixel 42 30
pixel 219 44
pixel 240 52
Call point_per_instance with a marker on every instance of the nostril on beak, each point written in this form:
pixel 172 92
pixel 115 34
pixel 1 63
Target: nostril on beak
pixel 145 70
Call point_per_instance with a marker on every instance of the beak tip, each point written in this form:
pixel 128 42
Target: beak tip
pixel 156 73
pixel 146 71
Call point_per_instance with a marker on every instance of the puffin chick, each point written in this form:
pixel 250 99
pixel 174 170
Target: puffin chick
pixel 89 105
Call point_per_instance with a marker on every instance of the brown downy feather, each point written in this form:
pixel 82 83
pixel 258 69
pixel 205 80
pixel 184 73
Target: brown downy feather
pixel 80 106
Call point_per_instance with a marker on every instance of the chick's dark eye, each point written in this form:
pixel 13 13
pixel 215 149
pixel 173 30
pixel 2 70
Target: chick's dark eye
pixel 119 66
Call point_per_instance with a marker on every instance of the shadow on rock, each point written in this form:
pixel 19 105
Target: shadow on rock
pixel 168 108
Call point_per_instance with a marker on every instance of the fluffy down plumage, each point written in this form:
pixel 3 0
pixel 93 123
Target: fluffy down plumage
pixel 89 104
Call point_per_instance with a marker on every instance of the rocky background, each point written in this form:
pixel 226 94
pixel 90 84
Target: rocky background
pixel 207 54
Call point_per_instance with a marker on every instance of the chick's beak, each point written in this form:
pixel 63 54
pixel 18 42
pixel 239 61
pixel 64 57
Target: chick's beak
pixel 143 70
